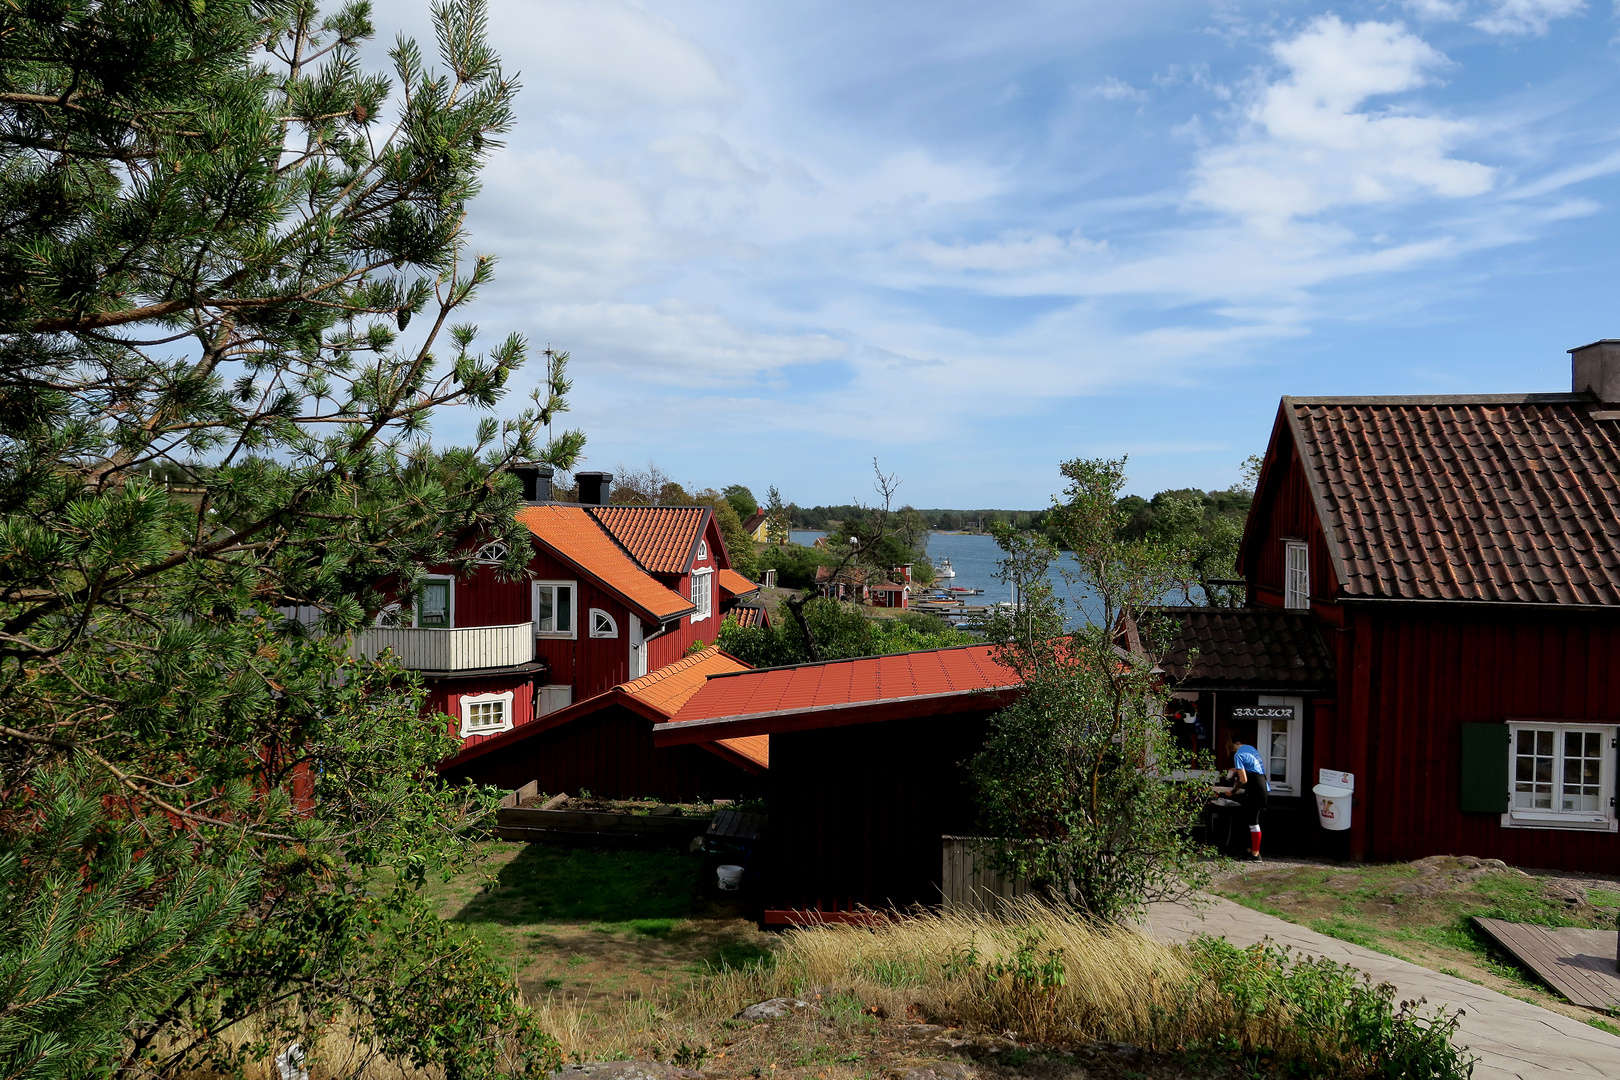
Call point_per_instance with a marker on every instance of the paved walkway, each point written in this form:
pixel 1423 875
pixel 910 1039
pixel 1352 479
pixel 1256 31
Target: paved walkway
pixel 1513 1039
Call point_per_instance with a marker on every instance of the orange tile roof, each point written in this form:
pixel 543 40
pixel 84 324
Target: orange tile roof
pixel 756 748
pixel 574 536
pixel 735 584
pixel 873 679
pixel 749 616
pixel 662 538
pixel 668 688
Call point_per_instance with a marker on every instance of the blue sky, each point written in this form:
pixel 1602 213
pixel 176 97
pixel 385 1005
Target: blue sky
pixel 972 240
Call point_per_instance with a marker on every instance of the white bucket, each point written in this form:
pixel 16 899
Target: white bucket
pixel 730 878
pixel 1333 806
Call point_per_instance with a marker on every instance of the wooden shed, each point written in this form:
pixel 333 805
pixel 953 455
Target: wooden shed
pixel 867 770
pixel 604 745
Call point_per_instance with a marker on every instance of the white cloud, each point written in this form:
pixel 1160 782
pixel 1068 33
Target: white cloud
pixel 601 56
pixel 1437 10
pixel 1012 250
pixel 1310 145
pixel 1527 16
pixel 1113 89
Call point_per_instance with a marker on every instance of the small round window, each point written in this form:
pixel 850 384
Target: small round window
pixel 602 624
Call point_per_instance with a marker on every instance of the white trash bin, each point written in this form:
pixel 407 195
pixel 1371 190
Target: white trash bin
pixel 1333 806
pixel 730 878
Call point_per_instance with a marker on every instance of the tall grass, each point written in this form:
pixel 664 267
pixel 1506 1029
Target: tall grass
pixel 1032 972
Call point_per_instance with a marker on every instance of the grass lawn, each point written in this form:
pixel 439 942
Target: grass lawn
pixel 1422 912
pixel 594 925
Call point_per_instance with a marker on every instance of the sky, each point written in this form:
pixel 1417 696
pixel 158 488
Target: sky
pixel 974 240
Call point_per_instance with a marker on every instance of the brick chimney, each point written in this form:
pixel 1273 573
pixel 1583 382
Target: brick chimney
pixel 593 487
pixel 1596 370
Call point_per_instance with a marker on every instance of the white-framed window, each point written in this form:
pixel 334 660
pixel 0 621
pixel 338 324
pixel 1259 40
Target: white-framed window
pixel 602 624
pixel 555 608
pixel 703 549
pixel 1296 574
pixel 486 714
pixel 435 603
pixel 492 553
pixel 1281 738
pixel 1560 775
pixel 702 593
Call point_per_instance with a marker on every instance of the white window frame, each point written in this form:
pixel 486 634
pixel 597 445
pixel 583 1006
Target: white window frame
pixel 702 594
pixel 612 630
pixel 1293 729
pixel 1600 820
pixel 492 554
pixel 1296 575
pixel 449 603
pixel 504 699
pixel 703 548
pixel 573 608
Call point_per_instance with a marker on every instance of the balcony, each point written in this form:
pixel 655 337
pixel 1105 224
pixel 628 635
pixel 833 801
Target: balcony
pixel 462 649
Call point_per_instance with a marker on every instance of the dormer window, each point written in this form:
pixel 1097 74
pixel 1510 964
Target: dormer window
pixel 1296 575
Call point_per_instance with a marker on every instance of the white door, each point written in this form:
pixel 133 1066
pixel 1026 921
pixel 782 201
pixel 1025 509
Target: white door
pixel 638 649
pixel 1281 740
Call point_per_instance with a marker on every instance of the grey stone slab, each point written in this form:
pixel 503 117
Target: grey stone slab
pixel 1513 1039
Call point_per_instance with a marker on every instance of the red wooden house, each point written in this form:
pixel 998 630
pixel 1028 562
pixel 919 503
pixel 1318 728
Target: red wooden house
pixel 612 593
pixel 1460 559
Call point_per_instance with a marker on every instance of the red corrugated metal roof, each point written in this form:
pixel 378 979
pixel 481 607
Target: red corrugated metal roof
pixel 662 538
pixel 574 536
pixel 959 670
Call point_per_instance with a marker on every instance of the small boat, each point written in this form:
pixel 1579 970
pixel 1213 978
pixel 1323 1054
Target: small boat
pixel 943 570
pixel 959 590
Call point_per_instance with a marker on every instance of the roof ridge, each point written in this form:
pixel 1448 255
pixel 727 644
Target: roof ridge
pixel 1549 398
pixel 850 659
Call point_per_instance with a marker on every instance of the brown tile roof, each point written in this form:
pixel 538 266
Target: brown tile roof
pixel 755 520
pixel 735 584
pixel 749 616
pixel 663 539
pixel 574 536
pixel 1489 498
pixel 1240 649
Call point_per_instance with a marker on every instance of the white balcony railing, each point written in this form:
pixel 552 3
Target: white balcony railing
pixel 461 649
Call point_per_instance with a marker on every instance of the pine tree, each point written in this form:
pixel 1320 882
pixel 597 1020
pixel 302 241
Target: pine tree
pixel 231 265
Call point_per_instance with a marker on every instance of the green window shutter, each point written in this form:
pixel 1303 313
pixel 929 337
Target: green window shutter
pixel 1485 768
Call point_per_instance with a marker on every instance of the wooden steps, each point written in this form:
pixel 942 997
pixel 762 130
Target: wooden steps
pixel 1576 962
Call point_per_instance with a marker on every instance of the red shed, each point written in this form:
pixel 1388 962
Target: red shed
pixel 1461 558
pixel 866 769
pixel 604 744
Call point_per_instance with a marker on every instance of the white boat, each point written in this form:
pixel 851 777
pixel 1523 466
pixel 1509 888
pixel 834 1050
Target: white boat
pixel 943 570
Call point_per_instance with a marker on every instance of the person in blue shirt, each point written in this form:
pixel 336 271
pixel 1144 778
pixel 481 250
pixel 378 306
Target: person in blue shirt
pixel 1252 789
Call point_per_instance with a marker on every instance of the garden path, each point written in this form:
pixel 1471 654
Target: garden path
pixel 1513 1040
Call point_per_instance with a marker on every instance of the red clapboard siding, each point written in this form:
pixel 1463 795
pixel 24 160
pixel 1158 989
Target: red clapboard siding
pixel 1418 673
pixel 857 812
pixel 1287 512
pixel 444 696
pixel 611 754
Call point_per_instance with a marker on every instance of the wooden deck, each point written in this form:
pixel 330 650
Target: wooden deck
pixel 1578 963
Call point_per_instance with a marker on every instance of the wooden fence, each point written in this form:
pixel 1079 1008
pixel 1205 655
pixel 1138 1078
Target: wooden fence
pixel 969 881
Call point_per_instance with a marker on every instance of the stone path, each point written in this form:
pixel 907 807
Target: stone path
pixel 1513 1040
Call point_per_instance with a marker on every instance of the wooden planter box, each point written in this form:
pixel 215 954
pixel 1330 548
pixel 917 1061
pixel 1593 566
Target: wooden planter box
pixel 595 827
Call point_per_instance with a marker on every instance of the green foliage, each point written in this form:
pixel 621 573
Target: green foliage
pixel 1071 774
pixel 742 500
pixel 795 565
pixel 228 304
pixel 778 518
pixel 1315 1017
pixel 840 632
pixel 1201 530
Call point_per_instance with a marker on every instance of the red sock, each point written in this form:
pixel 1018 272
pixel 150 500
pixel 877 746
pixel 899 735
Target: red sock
pixel 1254 839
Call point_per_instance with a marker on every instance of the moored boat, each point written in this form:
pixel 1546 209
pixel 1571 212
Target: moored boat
pixel 943 569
